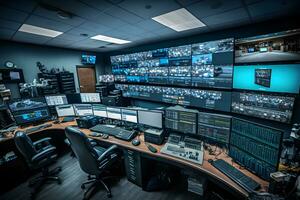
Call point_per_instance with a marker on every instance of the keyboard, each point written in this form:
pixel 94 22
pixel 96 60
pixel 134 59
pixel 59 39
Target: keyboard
pixel 36 128
pixel 237 176
pixel 68 119
pixel 117 132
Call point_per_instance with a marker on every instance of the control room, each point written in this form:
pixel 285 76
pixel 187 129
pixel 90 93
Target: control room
pixel 150 99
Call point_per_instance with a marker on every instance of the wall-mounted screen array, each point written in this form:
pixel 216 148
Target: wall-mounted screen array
pixel 277 108
pixel 255 146
pixel 207 64
pixel 274 47
pixel 282 78
pixel 29 110
pixel 216 100
pixel 214 127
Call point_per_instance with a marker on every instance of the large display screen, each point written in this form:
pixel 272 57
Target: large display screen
pixel 273 47
pixel 272 107
pixel 268 78
pixel 207 64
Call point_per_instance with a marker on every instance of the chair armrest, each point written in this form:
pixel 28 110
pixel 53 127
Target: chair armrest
pixel 43 154
pixel 108 152
pixel 41 141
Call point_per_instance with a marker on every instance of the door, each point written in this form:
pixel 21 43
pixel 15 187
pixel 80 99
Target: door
pixel 86 78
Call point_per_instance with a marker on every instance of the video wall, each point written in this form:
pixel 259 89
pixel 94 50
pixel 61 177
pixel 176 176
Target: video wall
pixel 221 75
pixel 208 64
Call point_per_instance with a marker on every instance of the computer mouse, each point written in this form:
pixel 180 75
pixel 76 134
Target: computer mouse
pixel 135 142
pixel 105 136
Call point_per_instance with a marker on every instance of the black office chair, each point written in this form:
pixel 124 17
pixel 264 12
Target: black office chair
pixel 92 160
pixel 38 156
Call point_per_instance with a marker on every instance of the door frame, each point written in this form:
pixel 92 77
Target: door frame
pixel 85 66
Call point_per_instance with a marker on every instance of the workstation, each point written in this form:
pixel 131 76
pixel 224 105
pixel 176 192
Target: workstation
pixel 126 100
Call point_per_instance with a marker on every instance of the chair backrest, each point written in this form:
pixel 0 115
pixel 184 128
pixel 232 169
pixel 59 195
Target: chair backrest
pixel 83 150
pixel 25 146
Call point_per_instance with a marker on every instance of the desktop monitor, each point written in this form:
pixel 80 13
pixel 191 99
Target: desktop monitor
pixel 65 110
pixel 150 118
pixel 129 115
pixel 83 109
pixel 99 110
pixel 55 100
pixel 29 110
pixel 26 104
pixel 114 113
pixel 73 98
pixel 31 116
pixel 90 97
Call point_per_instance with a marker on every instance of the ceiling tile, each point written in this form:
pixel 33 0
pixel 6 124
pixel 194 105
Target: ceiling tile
pixel 209 8
pixel 6 34
pixel 48 23
pixel 94 27
pixel 226 17
pixel 77 31
pixel 100 5
pixel 76 7
pixel 149 25
pixel 158 7
pixel 30 38
pixel 9 24
pixel 123 15
pixel 276 7
pixel 70 37
pixel 12 14
pixel 59 42
pixel 89 43
pixel 49 14
pixel 23 5
pixel 131 30
pixel 187 2
pixel 108 21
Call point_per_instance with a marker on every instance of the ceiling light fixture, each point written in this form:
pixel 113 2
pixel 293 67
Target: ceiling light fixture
pixel 39 31
pixel 110 39
pixel 179 20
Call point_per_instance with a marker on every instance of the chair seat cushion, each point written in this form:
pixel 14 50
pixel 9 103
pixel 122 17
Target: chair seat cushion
pixel 100 150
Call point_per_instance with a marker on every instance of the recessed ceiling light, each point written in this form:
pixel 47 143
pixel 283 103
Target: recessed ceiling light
pixel 179 20
pixel 110 39
pixel 39 31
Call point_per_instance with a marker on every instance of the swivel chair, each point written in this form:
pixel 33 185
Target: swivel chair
pixel 38 155
pixel 93 160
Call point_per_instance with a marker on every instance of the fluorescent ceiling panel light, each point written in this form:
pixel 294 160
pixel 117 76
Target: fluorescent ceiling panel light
pixel 179 20
pixel 39 31
pixel 110 39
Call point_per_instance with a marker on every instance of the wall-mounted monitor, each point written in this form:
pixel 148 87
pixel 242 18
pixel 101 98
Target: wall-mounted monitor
pixel 88 59
pixel 273 47
pixel 283 78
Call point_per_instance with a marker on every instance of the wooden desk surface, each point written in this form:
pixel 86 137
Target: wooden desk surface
pixel 206 167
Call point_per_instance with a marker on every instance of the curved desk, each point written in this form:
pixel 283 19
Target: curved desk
pixel 205 168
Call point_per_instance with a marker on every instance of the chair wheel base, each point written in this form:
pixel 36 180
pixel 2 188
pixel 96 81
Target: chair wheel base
pixel 109 195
